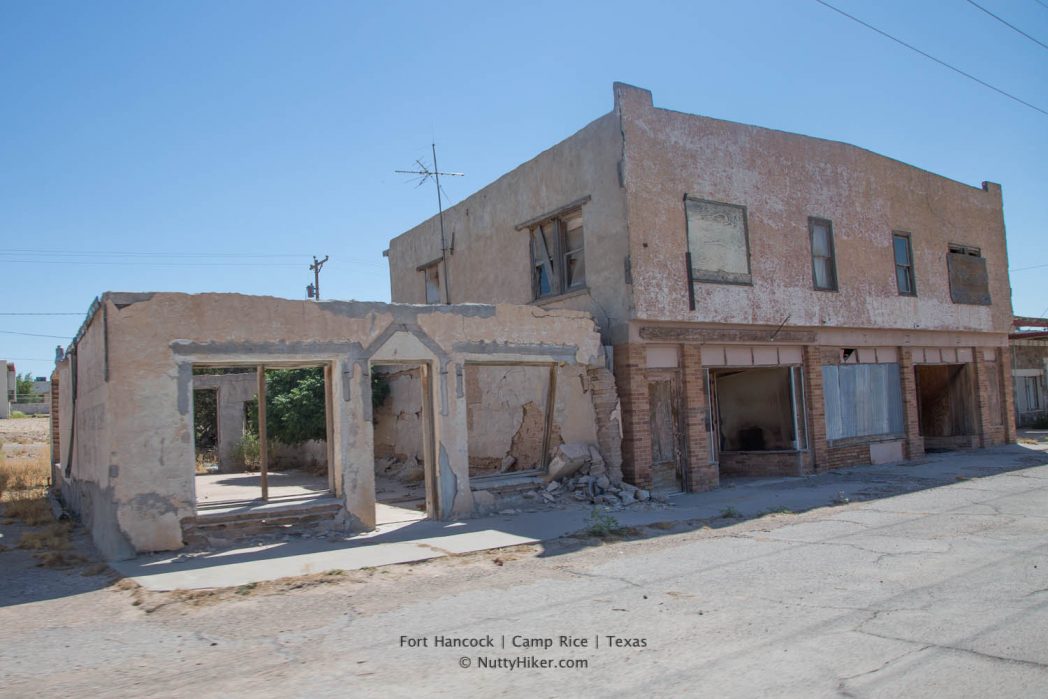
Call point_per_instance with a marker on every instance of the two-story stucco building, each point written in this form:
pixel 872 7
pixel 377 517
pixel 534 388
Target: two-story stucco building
pixel 774 303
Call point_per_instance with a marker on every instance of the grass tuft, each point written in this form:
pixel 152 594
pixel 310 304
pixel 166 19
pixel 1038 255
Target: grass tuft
pixel 53 537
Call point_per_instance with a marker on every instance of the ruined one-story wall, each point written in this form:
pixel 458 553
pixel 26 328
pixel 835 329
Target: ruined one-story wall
pixel 127 387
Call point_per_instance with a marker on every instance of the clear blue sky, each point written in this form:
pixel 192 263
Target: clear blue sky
pixel 228 129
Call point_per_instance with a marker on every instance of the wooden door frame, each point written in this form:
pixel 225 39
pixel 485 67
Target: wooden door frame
pixel 680 445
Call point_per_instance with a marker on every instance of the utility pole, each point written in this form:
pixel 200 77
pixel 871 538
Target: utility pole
pixel 313 290
pixel 424 174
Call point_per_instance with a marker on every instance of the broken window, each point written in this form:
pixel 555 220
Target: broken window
pixel 903 251
pixel 969 281
pixel 558 258
pixel 718 242
pixel 431 274
pixel 862 400
pixel 824 266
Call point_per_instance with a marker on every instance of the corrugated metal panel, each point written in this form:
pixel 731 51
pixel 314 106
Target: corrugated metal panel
pixel 862 399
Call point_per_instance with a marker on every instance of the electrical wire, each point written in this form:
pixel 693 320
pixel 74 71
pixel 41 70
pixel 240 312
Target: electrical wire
pixel 53 337
pixel 41 314
pixel 1009 25
pixel 933 58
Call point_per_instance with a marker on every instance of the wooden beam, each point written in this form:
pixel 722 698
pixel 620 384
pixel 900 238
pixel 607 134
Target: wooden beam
pixel 263 442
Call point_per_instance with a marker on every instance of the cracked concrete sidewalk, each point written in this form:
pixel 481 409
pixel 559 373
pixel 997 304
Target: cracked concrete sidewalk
pixel 740 499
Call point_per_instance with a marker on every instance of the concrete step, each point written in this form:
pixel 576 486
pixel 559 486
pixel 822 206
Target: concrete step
pixel 261 517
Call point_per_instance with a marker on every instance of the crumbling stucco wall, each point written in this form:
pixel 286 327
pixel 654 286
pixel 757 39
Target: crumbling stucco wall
pixel 132 475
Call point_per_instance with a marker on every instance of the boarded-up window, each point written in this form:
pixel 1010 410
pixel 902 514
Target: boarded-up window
pixel 824 266
pixel 718 242
pixel 862 400
pixel 969 281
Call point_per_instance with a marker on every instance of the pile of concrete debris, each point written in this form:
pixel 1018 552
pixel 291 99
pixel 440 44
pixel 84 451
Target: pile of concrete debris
pixel 578 471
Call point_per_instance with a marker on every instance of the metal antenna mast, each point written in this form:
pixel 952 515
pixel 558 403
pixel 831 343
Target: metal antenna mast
pixel 424 174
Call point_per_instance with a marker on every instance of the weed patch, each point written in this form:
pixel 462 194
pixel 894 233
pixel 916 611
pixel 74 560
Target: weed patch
pixel 602 524
pixel 730 512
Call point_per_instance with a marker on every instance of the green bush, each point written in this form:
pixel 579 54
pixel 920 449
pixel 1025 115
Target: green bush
pixel 247 451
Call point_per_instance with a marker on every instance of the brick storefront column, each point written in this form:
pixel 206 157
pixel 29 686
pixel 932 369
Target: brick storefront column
pixel 816 407
pixel 911 414
pixel 629 361
pixel 702 475
pixel 1008 387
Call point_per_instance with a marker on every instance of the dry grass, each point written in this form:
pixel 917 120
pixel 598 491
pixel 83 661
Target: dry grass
pixel 24 477
pixel 54 537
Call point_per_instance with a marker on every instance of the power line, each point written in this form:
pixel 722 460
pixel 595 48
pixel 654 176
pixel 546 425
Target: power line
pixel 1023 269
pixel 933 58
pixel 54 337
pixel 155 264
pixel 124 253
pixel 41 314
pixel 1009 25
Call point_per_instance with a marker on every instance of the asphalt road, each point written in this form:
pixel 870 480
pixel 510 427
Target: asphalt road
pixel 936 593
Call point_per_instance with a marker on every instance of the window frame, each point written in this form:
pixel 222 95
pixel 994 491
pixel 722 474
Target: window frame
pixel 713 276
pixel 425 270
pixel 553 233
pixel 911 272
pixel 812 221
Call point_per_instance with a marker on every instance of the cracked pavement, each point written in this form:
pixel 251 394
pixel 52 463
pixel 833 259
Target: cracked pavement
pixel 940 592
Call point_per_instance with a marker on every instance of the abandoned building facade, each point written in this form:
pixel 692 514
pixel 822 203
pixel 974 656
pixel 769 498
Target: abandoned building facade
pixel 1029 355
pixel 771 303
pixel 123 444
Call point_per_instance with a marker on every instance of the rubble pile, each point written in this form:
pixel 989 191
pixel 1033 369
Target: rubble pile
pixel 578 473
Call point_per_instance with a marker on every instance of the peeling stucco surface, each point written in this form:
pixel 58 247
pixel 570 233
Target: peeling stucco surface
pixel 133 449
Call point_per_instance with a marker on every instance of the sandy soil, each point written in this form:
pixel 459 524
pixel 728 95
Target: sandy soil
pixel 30 430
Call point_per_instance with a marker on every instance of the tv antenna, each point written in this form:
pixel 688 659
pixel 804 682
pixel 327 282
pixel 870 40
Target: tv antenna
pixel 424 173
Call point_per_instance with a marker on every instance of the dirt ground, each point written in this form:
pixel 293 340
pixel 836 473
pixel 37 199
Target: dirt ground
pixel 28 430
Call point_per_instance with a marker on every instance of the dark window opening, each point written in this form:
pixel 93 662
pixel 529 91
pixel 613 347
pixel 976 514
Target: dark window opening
pixel 903 252
pixel 823 262
pixel 558 255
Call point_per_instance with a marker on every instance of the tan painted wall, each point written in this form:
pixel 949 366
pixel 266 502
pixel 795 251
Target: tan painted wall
pixel 491 261
pixel 133 466
pixel 782 179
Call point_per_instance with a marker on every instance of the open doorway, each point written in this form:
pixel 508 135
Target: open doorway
pixel 403 442
pixel 273 454
pixel 759 420
pixel 945 405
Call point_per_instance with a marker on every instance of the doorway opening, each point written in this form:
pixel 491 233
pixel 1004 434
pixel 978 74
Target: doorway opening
pixel 945 405
pixel 261 455
pixel 510 419
pixel 758 416
pixel 402 418
pixel 668 474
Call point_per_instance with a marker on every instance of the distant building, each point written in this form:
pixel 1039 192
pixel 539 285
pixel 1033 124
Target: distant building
pixel 10 395
pixel 1029 350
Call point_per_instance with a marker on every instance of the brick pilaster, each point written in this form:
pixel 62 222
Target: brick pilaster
pixel 1008 387
pixel 702 475
pixel 911 411
pixel 629 364
pixel 816 407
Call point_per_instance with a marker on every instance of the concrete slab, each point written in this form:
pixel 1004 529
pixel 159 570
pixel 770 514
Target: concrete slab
pixel 952 475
